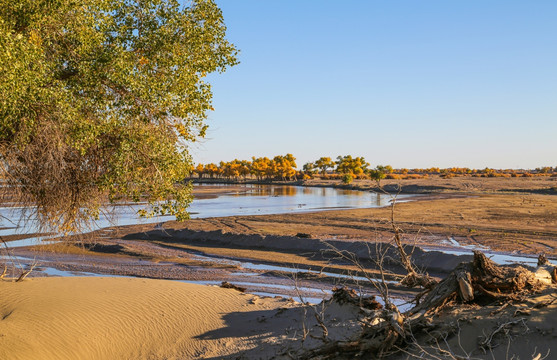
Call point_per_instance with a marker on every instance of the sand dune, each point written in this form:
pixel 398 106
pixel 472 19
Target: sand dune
pixel 123 318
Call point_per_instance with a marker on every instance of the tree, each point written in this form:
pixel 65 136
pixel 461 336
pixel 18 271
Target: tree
pixel 309 169
pixel 199 170
pixel 260 166
pixel 283 167
pixel 352 166
pixel 323 164
pixel 101 97
pixel 212 170
pixel 379 173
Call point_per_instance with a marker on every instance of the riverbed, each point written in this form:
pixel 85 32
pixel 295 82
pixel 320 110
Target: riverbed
pixel 265 211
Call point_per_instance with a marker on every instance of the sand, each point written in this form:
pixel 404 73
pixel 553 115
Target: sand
pixel 122 318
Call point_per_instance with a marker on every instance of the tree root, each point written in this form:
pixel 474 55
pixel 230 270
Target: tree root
pixel 386 330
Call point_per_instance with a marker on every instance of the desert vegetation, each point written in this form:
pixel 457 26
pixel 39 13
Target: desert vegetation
pixel 345 167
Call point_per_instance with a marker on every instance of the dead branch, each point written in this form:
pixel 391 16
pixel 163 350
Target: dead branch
pixel 542 260
pixel 481 277
pixel 227 285
pixel 413 278
pixel 487 342
pixel 26 272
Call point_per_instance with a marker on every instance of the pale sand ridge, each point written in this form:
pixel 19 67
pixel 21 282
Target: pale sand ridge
pixel 121 318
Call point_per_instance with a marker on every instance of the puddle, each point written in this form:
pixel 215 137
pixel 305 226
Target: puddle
pixel 265 267
pixel 458 249
pixel 64 273
pixel 452 242
pixel 32 241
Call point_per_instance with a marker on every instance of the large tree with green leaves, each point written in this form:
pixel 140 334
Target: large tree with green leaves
pixel 101 98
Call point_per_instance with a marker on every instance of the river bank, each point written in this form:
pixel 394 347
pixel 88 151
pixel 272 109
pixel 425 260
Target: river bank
pixel 212 250
pixel 285 254
pixel 433 184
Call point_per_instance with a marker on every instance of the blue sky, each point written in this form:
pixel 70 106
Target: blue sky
pixel 406 83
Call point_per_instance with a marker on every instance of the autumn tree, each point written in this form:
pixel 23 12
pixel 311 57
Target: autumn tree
pixel 309 169
pixel 379 173
pixel 259 167
pixel 230 169
pixel 283 167
pixel 323 164
pixel 212 170
pixel 199 170
pixel 244 168
pixel 101 97
pixel 351 166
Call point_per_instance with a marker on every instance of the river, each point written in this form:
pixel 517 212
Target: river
pixel 255 200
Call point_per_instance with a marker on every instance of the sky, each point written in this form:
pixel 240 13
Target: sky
pixel 412 84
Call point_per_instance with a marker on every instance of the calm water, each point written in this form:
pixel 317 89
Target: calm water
pixel 258 200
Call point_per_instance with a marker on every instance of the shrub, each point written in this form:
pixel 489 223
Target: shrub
pixel 347 179
pixel 413 177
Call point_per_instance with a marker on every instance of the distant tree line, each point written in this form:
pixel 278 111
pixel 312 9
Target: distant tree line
pixel 346 168
pixel 262 168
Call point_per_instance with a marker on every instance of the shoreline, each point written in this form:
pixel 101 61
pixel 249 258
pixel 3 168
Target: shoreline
pixel 432 185
pixel 262 253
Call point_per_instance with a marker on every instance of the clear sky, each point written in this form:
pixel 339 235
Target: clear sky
pixel 407 83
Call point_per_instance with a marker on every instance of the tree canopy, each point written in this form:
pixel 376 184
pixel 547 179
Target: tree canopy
pixel 102 97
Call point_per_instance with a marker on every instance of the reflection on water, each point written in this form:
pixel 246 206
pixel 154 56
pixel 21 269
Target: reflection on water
pixel 258 200
pixel 265 200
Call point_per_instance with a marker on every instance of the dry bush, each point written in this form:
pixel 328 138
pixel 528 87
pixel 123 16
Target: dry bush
pixel 413 177
pixel 51 179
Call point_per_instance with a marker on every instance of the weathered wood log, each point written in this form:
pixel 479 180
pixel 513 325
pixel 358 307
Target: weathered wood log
pixel 544 265
pixel 345 295
pixel 481 277
pixel 503 278
pixel 545 274
pixel 445 291
pixel 542 260
pixel 414 279
pixel 386 329
pixel 466 291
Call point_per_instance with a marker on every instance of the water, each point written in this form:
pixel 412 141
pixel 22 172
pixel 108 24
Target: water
pixel 291 270
pixel 257 200
pixel 458 249
pixel 265 200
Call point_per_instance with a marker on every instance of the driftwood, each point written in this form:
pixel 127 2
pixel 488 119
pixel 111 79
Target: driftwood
pixel 227 285
pixel 345 295
pixel 542 260
pixel 482 278
pixel 386 329
pixel 546 272
pixel 413 278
